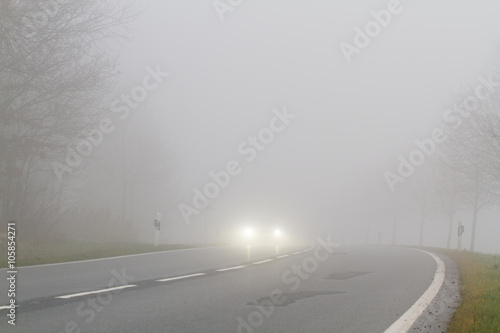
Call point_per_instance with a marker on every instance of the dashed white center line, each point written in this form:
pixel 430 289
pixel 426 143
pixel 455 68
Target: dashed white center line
pixel 283 256
pixel 96 291
pixel 180 277
pixel 228 269
pixel 262 261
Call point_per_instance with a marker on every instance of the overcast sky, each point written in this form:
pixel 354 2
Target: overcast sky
pixel 352 119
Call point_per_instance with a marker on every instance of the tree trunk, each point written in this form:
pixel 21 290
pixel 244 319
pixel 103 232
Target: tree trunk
pixel 394 220
pixel 421 240
pixel 124 202
pixel 450 230
pixel 474 222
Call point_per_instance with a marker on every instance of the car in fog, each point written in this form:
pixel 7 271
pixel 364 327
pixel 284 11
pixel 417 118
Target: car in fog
pixel 262 235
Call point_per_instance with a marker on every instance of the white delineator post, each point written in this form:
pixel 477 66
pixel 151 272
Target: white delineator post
pixel 157 229
pixel 460 232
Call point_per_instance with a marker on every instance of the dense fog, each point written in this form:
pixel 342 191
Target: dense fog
pixel 373 121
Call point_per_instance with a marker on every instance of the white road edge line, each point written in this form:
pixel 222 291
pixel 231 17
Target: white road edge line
pixel 96 291
pixel 406 321
pixel 228 269
pixel 283 256
pixel 117 257
pixel 262 261
pixel 180 277
pixel 6 307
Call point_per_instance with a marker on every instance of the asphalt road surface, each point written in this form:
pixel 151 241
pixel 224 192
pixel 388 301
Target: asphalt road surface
pixel 320 288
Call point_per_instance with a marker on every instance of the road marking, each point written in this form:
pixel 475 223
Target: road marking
pixel 117 257
pixel 283 256
pixel 262 261
pixel 406 321
pixel 180 277
pixel 96 291
pixel 6 307
pixel 228 269
pixel 298 252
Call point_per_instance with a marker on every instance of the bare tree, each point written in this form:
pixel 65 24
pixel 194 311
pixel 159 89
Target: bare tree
pixel 56 67
pixel 451 191
pixel 139 164
pixel 472 154
pixel 420 196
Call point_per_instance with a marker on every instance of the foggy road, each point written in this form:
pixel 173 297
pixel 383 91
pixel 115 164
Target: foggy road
pixel 126 125
pixel 226 289
pixel 65 278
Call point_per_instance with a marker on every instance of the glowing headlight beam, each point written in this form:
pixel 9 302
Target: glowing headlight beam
pixel 249 232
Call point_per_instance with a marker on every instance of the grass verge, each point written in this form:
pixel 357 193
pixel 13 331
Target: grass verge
pixel 479 310
pixel 63 251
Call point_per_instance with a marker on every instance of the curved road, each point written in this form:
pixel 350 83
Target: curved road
pixel 325 288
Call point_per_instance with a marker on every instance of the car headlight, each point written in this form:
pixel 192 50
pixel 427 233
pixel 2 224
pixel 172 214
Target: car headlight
pixel 248 232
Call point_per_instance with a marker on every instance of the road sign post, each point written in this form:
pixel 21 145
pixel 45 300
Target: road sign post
pixel 157 225
pixel 461 229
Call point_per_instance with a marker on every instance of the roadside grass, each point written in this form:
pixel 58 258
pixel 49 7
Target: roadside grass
pixel 479 310
pixel 62 251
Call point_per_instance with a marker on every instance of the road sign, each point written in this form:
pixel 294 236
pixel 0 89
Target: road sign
pixel 461 230
pixel 157 224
